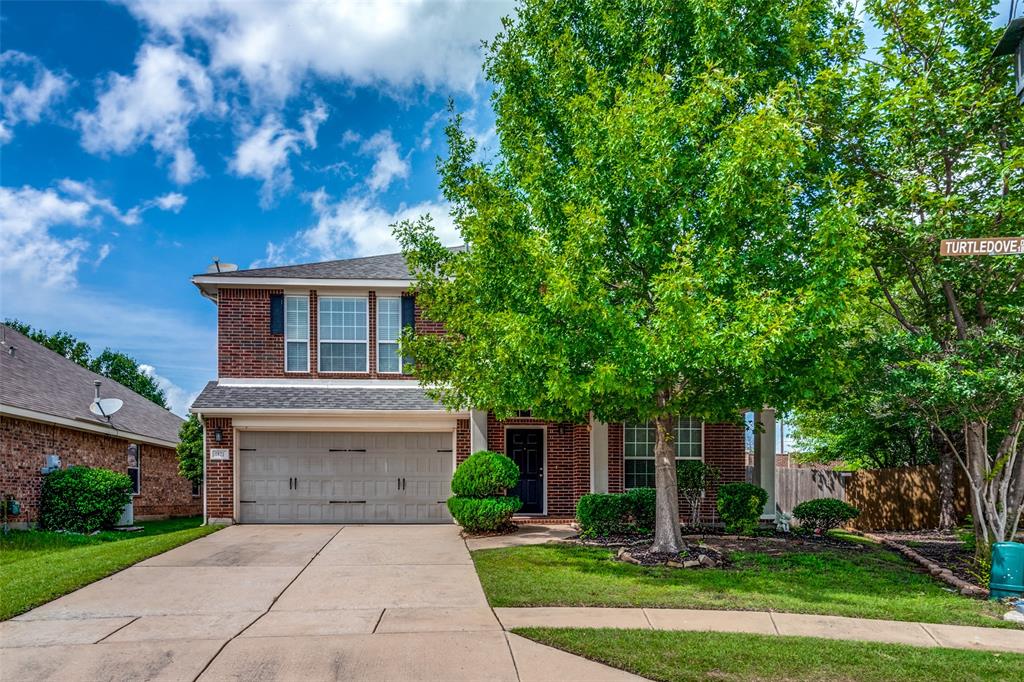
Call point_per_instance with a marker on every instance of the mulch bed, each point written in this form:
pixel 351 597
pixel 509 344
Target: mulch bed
pixel 717 547
pixel 943 547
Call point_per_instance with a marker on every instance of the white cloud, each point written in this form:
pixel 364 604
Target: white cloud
pixel 27 90
pixel 104 251
pixel 178 399
pixel 172 201
pixel 29 252
pixel 153 106
pixel 33 252
pixel 354 226
pixel 264 152
pixel 274 45
pixel 387 165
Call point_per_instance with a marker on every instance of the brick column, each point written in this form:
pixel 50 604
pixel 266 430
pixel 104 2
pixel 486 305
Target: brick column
pixel 220 474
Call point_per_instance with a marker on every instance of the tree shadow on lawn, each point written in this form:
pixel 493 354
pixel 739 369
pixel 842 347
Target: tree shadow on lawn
pixel 863 583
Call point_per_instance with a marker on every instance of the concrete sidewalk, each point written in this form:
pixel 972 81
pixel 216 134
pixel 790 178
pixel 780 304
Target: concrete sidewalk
pixel 287 603
pixel 768 623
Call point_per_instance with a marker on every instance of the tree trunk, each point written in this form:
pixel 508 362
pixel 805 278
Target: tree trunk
pixel 947 481
pixel 977 470
pixel 667 537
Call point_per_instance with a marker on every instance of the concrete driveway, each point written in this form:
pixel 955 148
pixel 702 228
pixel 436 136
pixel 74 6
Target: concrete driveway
pixel 287 603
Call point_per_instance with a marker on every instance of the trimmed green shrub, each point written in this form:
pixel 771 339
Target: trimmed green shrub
pixel 485 474
pixel 740 506
pixel 479 503
pixel 83 500
pixel 640 506
pixel 603 514
pixel 483 514
pixel 824 514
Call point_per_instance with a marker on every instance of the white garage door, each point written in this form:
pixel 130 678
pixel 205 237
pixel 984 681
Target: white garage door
pixel 312 477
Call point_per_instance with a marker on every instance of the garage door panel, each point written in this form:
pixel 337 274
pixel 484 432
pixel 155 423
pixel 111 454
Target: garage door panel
pixel 345 477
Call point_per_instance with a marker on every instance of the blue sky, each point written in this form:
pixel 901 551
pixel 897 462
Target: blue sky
pixel 140 140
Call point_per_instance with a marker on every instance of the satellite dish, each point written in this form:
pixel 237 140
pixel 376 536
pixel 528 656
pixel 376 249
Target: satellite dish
pixel 218 266
pixel 106 407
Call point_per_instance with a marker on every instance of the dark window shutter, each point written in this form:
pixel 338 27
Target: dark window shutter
pixel 277 313
pixel 408 321
pixel 408 312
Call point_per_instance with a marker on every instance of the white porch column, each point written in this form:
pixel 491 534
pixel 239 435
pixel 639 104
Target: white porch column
pixel 477 430
pixel 598 456
pixel 764 457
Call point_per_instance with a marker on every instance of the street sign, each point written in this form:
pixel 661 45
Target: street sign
pixel 986 246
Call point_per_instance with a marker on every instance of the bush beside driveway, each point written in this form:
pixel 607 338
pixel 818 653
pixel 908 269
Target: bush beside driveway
pixel 39 566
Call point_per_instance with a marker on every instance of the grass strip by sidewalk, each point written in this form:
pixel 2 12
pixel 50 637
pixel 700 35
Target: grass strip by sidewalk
pixel 686 656
pixel 865 583
pixel 39 566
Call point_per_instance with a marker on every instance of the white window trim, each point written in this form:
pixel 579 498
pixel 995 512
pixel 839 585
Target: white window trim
pixel 287 340
pixel 703 432
pixel 377 335
pixel 320 340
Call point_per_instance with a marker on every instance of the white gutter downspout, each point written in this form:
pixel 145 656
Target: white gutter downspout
pixel 203 422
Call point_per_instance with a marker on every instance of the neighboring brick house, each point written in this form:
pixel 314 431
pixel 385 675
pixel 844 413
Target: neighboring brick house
pixel 44 410
pixel 312 420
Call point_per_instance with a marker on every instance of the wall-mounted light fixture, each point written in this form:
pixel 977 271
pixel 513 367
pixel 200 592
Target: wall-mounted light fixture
pixel 218 435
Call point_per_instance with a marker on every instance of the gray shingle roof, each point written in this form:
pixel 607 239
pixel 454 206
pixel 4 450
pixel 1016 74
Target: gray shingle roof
pixel 215 396
pixel 35 378
pixel 387 266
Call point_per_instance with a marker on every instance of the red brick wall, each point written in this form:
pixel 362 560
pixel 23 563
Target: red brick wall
pixel 23 444
pixel 616 470
pixel 247 349
pixel 462 441
pixel 220 485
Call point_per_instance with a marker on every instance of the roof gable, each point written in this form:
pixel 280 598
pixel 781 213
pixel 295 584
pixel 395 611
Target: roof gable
pixel 37 379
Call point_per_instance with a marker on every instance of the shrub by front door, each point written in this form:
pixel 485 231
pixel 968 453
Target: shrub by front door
pixel 526 448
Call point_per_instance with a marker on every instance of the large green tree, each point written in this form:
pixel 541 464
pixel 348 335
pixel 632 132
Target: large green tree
pixel 190 449
pixel 120 367
pixel 659 233
pixel 936 142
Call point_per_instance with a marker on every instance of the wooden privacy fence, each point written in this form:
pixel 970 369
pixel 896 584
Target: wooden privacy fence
pixel 793 486
pixel 905 498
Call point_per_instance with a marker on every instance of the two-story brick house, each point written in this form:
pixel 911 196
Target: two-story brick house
pixel 311 418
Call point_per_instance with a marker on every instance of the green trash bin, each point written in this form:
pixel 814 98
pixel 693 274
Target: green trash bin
pixel 1007 570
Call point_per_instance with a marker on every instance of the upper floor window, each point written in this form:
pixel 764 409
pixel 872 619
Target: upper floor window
pixel 296 333
pixel 389 328
pixel 343 328
pixel 639 449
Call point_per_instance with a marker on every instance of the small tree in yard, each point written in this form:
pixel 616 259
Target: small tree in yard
pixel 659 234
pixel 693 478
pixel 190 449
pixel 936 141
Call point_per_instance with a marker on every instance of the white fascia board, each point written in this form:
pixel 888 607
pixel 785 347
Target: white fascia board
pixel 285 411
pixel 255 382
pixel 281 282
pixel 78 425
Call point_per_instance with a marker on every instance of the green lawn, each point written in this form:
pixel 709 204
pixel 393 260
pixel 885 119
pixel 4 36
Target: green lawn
pixel 866 583
pixel 685 656
pixel 39 566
